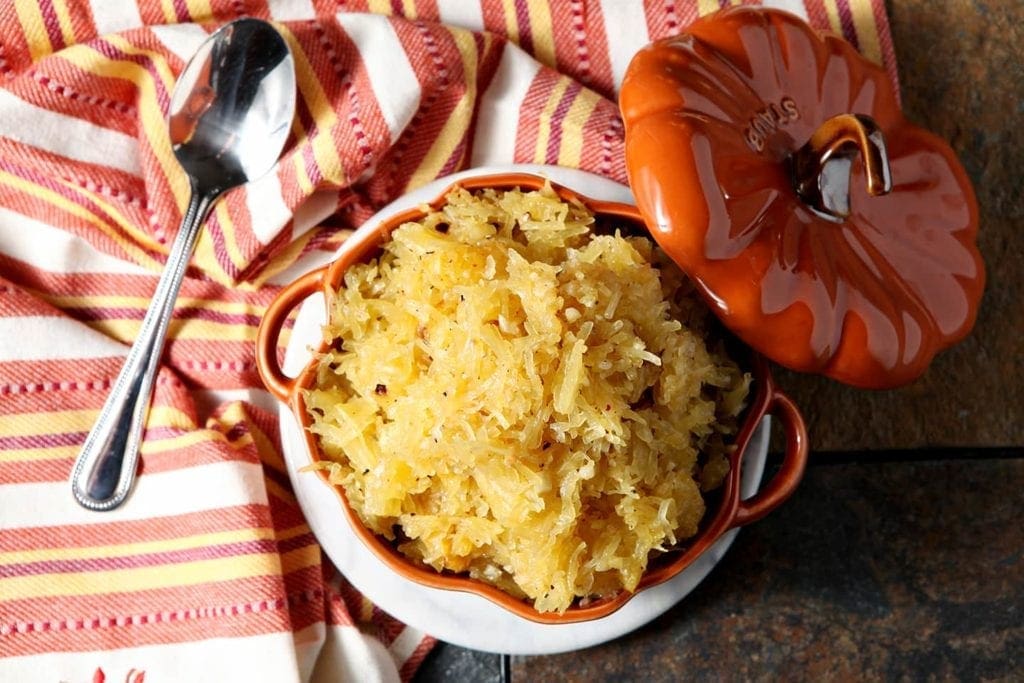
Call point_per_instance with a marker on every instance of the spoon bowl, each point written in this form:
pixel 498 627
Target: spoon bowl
pixel 230 114
pixel 233 105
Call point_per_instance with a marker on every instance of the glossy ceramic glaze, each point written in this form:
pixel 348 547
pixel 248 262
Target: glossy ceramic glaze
pixel 725 509
pixel 715 120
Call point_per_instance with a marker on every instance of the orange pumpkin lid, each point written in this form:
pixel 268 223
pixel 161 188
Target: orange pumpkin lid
pixel 774 165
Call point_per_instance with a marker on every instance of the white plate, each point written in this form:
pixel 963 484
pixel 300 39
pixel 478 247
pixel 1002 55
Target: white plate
pixel 463 618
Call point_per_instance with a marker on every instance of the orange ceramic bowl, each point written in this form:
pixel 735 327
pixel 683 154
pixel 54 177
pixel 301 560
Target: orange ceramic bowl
pixel 725 509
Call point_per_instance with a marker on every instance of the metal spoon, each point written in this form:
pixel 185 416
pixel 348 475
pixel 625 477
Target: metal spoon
pixel 230 113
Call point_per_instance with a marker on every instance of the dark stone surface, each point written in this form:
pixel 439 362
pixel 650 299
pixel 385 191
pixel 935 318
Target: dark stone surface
pixel 881 570
pixel 874 571
pixel 450 663
pixel 961 67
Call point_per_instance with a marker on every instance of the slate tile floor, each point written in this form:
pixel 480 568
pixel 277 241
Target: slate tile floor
pixel 880 570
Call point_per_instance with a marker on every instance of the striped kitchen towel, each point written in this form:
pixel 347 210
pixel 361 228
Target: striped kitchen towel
pixel 210 572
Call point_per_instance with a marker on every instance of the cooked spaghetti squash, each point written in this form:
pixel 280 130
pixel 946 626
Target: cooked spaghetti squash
pixel 512 396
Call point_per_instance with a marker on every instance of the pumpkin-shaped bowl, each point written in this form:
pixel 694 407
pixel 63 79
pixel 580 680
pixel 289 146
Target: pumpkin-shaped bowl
pixel 726 509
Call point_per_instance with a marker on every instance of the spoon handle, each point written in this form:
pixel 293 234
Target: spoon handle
pixel 105 468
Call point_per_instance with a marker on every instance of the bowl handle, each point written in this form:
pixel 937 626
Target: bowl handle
pixel 794 462
pixel 279 384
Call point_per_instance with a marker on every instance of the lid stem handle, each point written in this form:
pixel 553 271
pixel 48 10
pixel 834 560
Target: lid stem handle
pixel 822 167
